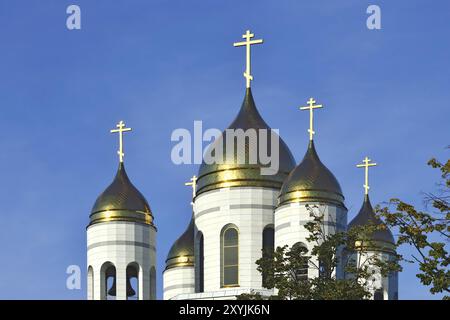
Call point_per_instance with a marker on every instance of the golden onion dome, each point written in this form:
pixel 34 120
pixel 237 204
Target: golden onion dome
pixel 242 173
pixel 366 216
pixel 311 181
pixel 121 201
pixel 181 254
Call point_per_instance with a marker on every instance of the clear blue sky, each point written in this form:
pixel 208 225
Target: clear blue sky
pixel 160 65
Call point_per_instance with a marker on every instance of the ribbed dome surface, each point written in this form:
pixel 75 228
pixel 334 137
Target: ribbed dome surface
pixel 237 170
pixel 311 181
pixel 121 201
pixel 366 216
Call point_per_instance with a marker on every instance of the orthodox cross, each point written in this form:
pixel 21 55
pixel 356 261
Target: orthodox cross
pixel 193 183
pixel 311 108
pixel 366 164
pixel 247 43
pixel 121 129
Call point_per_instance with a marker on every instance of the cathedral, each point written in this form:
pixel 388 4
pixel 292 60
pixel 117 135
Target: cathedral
pixel 237 213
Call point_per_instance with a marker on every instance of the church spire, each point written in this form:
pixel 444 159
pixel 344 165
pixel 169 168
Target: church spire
pixel 247 43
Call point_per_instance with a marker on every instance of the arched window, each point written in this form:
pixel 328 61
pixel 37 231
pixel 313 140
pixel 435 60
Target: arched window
pixel 230 256
pixel 199 263
pixel 108 281
pixel 268 245
pixel 132 285
pixel 90 284
pixel 302 272
pixel 152 283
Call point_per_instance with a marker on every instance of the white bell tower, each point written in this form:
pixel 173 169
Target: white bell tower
pixel 380 245
pixel 121 247
pixel 310 188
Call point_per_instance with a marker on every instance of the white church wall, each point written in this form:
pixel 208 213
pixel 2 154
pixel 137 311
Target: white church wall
pixel 250 209
pixel 290 220
pixel 389 284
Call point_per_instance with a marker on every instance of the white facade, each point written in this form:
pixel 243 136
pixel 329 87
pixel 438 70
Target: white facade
pixel 290 220
pixel 249 210
pixel 178 281
pixel 121 244
pixel 381 288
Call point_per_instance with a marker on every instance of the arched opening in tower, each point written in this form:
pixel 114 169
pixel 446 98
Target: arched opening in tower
pixel 109 276
pixel 132 281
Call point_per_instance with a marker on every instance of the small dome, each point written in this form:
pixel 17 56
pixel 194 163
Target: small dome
pixel 121 201
pixel 231 173
pixel 366 216
pixel 311 181
pixel 182 252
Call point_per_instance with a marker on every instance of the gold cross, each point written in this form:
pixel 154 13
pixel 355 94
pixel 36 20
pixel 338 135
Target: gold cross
pixel 366 165
pixel 193 183
pixel 311 107
pixel 247 43
pixel 121 129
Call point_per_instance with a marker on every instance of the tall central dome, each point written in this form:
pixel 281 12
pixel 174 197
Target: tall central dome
pixel 232 173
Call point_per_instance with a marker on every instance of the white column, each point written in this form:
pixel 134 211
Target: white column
pixel 90 273
pixel 100 287
pixel 121 281
pixel 144 284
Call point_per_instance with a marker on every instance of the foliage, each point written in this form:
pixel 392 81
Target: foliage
pixel 420 229
pixel 330 251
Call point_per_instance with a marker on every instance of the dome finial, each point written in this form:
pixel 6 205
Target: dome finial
pixel 121 129
pixel 181 254
pixel 247 43
pixel 367 216
pixel 193 183
pixel 311 108
pixel 366 164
